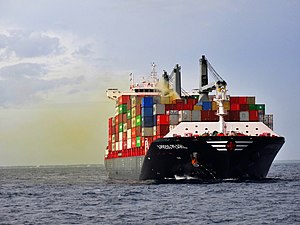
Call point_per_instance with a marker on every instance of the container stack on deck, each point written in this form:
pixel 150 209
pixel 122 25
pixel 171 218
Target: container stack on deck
pixel 139 120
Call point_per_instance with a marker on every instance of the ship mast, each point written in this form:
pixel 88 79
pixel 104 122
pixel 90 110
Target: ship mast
pixel 220 98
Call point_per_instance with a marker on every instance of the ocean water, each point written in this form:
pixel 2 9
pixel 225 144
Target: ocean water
pixel 84 195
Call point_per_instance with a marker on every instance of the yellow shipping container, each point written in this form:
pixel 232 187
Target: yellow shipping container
pixel 214 105
pixel 165 100
pixel 197 107
pixel 227 105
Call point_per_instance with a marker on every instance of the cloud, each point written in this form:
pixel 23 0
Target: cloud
pixel 39 64
pixel 25 44
pixel 22 70
pixel 22 83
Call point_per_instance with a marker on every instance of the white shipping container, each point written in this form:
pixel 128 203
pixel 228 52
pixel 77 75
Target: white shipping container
pixel 120 136
pixel 244 115
pixel 196 115
pixel 147 131
pixel 185 115
pixel 117 146
pixel 113 138
pixel 133 101
pixel 113 146
pixel 172 112
pixel 133 122
pixel 120 145
pixel 261 114
pixel 173 119
pixel 159 109
pixel 268 120
pixel 156 99
pixel 129 143
pixel 128 134
pixel 133 112
pixel 154 130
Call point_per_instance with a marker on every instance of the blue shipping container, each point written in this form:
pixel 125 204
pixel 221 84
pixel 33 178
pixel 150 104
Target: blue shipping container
pixel 147 121
pixel 147 102
pixel 154 120
pixel 147 111
pixel 206 105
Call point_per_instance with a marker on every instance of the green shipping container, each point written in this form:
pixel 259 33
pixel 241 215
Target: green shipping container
pixel 256 106
pixel 138 120
pixel 122 108
pixel 129 114
pixel 252 107
pixel 260 106
pixel 120 127
pixel 138 142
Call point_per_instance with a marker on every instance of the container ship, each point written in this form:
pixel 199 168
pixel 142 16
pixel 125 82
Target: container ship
pixel 162 132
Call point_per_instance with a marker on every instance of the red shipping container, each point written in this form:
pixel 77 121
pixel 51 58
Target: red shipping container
pixel 243 100
pixel 138 130
pixel 253 115
pixel 110 130
pixel 170 107
pixel 124 118
pixel 117 120
pixel 124 144
pixel 128 105
pixel 133 132
pixel 209 116
pixel 235 107
pixel 123 99
pixel 128 124
pixel 117 128
pixel 187 107
pixel 110 123
pixel 113 130
pixel 234 100
pixel 191 101
pixel 124 136
pixel 162 130
pixel 120 118
pixel 233 115
pixel 244 107
pixel 138 110
pixel 117 137
pixel 162 120
pixel 109 138
pixel 133 142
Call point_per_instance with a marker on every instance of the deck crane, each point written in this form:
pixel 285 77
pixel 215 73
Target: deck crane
pixel 204 86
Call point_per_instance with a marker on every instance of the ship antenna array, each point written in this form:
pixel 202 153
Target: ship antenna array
pixel 153 72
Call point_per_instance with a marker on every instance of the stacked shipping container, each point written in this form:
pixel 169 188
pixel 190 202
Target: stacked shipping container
pixel 139 120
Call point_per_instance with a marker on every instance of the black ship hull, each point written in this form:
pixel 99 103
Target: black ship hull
pixel 207 158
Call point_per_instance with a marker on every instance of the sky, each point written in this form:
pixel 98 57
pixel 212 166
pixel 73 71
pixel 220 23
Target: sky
pixel 58 57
